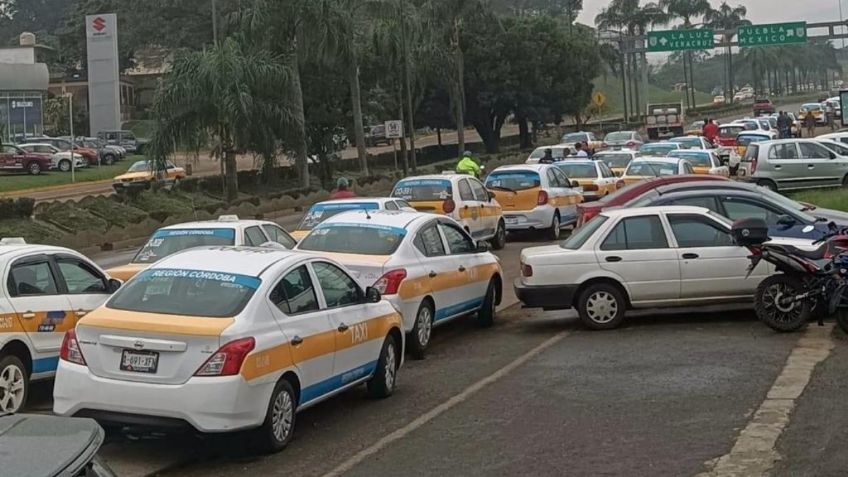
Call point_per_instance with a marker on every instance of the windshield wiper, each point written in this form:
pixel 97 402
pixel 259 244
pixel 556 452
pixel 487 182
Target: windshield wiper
pixel 501 188
pixel 821 219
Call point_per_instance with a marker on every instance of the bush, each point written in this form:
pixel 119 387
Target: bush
pixel 21 208
pixel 114 212
pixel 33 231
pixel 70 217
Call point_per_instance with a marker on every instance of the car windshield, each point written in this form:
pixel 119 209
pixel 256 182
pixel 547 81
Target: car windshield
pixel 615 160
pixel 140 166
pixel 619 136
pixel 687 141
pixel 658 149
pixel 578 170
pixel 165 242
pixel 540 152
pixel 182 292
pixel 788 203
pixel 361 239
pixel 745 139
pixel 811 107
pixel 321 212
pixel 575 137
pixel 651 168
pixel 582 234
pixel 423 189
pixel 697 159
pixel 513 180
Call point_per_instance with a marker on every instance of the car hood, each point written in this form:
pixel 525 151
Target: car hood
pixel 838 216
pixel 133 175
pixel 125 272
pixel 37 445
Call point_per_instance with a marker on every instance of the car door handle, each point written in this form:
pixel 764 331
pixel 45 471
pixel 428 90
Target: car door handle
pixel 810 166
pixel 461 268
pixel 342 328
pixel 80 312
pixel 777 167
pixel 690 256
pixel 28 315
pixel 432 274
pixel 613 258
pixel 296 340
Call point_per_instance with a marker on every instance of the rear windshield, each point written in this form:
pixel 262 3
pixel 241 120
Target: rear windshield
pixel 751 153
pixel 321 212
pixel 170 241
pixel 361 239
pixel 647 168
pixel 423 189
pixel 582 234
pixel 615 160
pixel 579 170
pixel 745 139
pixel 575 137
pixel 688 141
pixel 697 159
pixel 513 180
pixel 540 152
pixel 658 149
pixel 618 136
pixel 186 292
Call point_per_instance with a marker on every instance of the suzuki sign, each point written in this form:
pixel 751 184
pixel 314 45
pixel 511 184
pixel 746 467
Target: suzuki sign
pixel 104 98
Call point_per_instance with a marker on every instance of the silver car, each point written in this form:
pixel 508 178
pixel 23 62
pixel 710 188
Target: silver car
pixel 787 164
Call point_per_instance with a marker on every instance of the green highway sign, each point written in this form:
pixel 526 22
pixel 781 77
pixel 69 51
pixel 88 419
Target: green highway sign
pixel 772 34
pixel 676 40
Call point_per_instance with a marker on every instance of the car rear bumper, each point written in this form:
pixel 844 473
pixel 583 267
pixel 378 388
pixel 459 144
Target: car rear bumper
pixel 209 404
pixel 549 297
pixel 538 218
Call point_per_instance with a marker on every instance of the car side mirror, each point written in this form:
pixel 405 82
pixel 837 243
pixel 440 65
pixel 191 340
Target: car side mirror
pixel 491 195
pixel 785 221
pixel 833 155
pixel 482 247
pixel 575 184
pixel 113 285
pixel 372 295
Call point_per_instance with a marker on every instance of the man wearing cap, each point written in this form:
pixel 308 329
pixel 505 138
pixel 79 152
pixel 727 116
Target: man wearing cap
pixel 342 190
pixel 467 165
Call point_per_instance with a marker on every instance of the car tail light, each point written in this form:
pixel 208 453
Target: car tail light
pixel 590 188
pixel 603 144
pixel 390 282
pixel 228 359
pixel 542 198
pixel 630 143
pixel 753 165
pixel 70 350
pixel 590 214
pixel 448 206
pixel 619 185
pixel 526 270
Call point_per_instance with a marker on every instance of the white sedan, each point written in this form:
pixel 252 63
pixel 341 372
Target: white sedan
pixel 641 258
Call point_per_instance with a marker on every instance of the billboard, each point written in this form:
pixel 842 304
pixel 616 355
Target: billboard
pixel 104 100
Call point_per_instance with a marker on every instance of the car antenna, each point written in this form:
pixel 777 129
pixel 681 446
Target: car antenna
pixel 367 215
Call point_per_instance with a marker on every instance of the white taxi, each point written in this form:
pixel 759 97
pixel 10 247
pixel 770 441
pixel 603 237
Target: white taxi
pixel 44 291
pixel 644 167
pixel 535 197
pixel 426 266
pixel 227 230
pixel 226 339
pixel 703 161
pixel 594 176
pixel 460 197
pixel 323 210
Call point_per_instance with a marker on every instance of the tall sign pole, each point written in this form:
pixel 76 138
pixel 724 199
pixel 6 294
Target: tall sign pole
pixel 104 97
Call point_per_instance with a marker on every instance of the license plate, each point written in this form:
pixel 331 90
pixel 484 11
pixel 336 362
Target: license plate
pixel 139 361
pixel 511 220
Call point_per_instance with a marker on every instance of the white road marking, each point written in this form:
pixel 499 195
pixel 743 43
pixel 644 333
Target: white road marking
pixel 442 408
pixel 754 452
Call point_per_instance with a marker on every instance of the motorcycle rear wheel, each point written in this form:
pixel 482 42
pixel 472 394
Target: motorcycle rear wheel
pixel 772 307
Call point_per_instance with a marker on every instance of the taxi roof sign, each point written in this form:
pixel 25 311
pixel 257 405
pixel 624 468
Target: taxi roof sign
pixel 12 241
pixel 228 218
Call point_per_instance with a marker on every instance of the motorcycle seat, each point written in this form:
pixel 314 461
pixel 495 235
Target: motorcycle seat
pixel 818 254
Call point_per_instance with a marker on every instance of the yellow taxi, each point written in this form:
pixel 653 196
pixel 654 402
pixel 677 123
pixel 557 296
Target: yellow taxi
pixel 427 266
pixel 228 339
pixel 324 210
pixel 814 109
pixel 642 168
pixel 227 230
pixel 703 161
pixel 594 176
pixel 142 175
pixel 460 197
pixel 537 197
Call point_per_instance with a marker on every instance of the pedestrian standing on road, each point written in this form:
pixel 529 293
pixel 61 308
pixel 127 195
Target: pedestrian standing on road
pixel 710 131
pixel 580 151
pixel 810 123
pixel 829 114
pixel 342 190
pixel 783 125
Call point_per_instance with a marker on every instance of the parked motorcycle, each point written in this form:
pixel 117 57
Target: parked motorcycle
pixel 808 281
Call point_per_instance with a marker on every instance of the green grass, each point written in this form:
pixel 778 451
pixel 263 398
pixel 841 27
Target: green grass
pixel 16 182
pixel 611 88
pixel 836 199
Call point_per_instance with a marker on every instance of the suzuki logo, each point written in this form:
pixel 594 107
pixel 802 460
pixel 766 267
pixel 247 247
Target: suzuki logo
pixel 98 24
pixel 138 344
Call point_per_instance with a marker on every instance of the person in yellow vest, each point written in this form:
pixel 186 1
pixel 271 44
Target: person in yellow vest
pixel 467 165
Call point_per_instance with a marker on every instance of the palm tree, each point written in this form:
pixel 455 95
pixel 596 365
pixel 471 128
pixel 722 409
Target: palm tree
pixel 231 93
pixel 687 10
pixel 726 17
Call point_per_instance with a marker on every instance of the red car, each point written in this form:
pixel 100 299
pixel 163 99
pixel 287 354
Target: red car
pixel 587 210
pixel 727 134
pixel 13 158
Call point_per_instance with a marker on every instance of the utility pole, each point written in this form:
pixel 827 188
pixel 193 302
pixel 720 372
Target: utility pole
pixel 214 22
pixel 70 97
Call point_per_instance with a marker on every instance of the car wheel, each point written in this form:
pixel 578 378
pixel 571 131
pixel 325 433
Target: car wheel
pixel 486 315
pixel 14 385
pixel 499 240
pixel 65 165
pixel 554 230
pixel 770 185
pixel 382 385
pixel 772 307
pixel 278 428
pixel 419 337
pixel 34 168
pixel 601 307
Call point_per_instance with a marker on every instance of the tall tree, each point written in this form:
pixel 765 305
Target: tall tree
pixel 726 17
pixel 687 10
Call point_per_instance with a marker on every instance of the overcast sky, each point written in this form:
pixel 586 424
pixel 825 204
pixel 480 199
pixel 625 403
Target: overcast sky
pixel 759 11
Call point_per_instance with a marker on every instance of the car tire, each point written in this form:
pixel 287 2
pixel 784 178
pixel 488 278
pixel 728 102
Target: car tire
pixel 554 231
pixel 382 385
pixel 770 185
pixel 278 428
pixel 14 384
pixel 498 242
pixel 65 165
pixel 486 315
pixel 780 317
pixel 418 339
pixel 34 168
pixel 601 307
